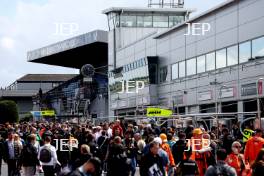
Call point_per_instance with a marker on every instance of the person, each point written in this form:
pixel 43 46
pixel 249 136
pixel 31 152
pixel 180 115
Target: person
pixel 227 140
pixel 9 154
pixel 130 147
pixel 221 167
pixel 48 157
pixel 179 147
pixel 237 160
pixel 140 144
pixel 200 154
pixel 90 168
pixel 18 146
pixel 102 143
pixel 165 146
pixel 130 129
pixel 170 139
pixel 117 127
pixel 258 165
pixel 187 166
pixel 117 161
pixel 84 156
pixel 253 146
pixel 29 156
pixel 151 164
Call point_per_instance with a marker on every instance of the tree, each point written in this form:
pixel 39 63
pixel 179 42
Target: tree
pixel 8 111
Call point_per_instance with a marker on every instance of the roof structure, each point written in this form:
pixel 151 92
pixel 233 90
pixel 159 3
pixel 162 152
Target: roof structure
pixel 222 5
pixel 89 48
pixel 144 10
pixel 46 77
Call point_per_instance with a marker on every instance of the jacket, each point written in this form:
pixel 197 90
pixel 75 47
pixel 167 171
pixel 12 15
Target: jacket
pixel 253 146
pixel 167 149
pixel 150 164
pixel 238 163
pixel 29 156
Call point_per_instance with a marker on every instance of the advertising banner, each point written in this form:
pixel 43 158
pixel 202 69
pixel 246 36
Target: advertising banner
pixel 158 112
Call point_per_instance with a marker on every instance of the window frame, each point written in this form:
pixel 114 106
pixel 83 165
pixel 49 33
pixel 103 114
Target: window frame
pixel 177 77
pixel 194 58
pixel 207 61
pixel 252 54
pixel 227 55
pixel 239 53
pixel 197 58
pixel 216 63
pixel 184 61
pixel 160 16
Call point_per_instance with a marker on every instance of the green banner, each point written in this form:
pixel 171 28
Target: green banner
pixel 158 112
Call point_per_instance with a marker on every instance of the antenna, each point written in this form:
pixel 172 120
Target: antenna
pixel 166 3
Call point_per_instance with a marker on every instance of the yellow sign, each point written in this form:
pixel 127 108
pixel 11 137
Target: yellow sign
pixel 158 112
pixel 247 133
pixel 47 113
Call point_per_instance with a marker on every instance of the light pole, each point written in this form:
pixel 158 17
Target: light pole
pixel 258 100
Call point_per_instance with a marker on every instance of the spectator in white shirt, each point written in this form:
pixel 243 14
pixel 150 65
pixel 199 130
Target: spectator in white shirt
pixel 48 157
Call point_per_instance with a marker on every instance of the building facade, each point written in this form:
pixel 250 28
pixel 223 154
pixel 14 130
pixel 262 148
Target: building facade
pixel 220 70
pixel 28 86
pixel 83 95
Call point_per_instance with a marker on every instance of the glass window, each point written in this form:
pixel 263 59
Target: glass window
pixel 140 21
pixel 221 58
pixel 210 61
pixel 174 20
pixel 131 66
pixel 135 65
pixel 163 74
pixel 244 52
pixel 128 21
pixel 182 69
pixel 174 71
pixel 201 64
pixel 148 21
pixel 191 66
pixel 143 61
pixel 138 63
pixel 258 47
pixel 232 55
pixel 160 21
pixel 117 20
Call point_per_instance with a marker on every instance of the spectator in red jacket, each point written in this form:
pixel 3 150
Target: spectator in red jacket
pixel 117 126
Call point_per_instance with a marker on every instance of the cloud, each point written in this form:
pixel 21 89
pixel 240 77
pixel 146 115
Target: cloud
pixel 33 25
pixel 7 43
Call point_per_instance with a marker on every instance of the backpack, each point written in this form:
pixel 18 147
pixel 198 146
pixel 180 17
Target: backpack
pixel 45 154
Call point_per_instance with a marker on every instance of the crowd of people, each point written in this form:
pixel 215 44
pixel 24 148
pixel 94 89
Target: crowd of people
pixel 123 149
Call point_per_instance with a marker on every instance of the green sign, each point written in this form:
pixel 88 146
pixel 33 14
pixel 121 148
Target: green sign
pixel 158 112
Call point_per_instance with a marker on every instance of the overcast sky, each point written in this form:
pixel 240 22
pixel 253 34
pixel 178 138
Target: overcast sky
pixel 30 24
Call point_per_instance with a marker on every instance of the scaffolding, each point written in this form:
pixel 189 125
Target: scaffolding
pixel 166 3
